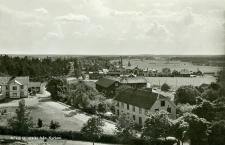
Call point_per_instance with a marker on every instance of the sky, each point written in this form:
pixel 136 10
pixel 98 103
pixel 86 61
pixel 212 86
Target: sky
pixel 106 27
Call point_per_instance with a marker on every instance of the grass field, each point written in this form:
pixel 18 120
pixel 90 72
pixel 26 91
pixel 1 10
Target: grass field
pixel 173 65
pixel 179 81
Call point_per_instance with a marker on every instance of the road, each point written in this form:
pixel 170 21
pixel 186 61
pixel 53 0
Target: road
pixel 108 128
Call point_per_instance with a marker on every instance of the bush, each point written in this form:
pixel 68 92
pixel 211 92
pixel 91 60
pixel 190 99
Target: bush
pixel 54 125
pixel 165 87
pixel 39 123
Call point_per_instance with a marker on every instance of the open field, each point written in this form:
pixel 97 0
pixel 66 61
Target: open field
pixel 179 81
pixel 47 110
pixel 173 65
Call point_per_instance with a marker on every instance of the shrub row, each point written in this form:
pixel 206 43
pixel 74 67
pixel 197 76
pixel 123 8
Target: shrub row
pixel 75 135
pixel 70 135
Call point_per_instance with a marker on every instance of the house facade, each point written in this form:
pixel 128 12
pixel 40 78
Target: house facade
pixel 14 87
pixel 140 103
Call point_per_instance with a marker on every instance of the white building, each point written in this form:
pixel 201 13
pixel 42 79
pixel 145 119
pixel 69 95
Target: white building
pixel 140 103
pixel 14 87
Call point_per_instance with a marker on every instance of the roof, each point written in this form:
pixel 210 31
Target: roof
pixel 34 84
pixel 185 71
pixel 105 82
pixel 19 80
pixel 134 80
pixel 140 98
pixel 113 72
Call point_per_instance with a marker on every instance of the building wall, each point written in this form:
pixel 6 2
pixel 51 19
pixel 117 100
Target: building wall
pixel 13 92
pixel 144 112
pixel 136 113
pixel 157 105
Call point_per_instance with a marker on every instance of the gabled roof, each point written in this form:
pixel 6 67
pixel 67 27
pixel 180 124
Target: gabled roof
pixel 134 80
pixel 18 80
pixel 105 82
pixel 140 98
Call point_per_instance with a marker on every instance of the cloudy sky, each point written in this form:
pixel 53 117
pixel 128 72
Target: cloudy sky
pixel 112 27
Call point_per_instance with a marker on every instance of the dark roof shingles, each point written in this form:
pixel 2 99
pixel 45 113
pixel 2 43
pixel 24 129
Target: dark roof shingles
pixel 139 98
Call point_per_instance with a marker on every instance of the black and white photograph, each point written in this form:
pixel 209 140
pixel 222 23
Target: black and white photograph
pixel 112 72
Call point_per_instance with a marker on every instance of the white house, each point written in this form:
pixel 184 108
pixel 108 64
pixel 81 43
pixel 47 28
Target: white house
pixel 140 103
pixel 14 87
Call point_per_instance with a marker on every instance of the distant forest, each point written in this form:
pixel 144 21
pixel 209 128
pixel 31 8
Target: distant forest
pixel 41 69
pixel 202 60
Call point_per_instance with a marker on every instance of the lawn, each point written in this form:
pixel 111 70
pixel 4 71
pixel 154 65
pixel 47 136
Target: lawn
pixel 45 112
pixel 173 65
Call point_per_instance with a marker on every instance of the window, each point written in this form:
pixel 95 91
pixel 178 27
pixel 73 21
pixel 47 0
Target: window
pixel 169 110
pixel 6 87
pixel 14 94
pixel 162 103
pixel 116 84
pixel 146 112
pixel 134 108
pixel 134 117
pixel 21 93
pixel 7 93
pixel 128 107
pixel 156 110
pixel 14 87
pixel 118 113
pixel 140 120
pixel 21 86
pixel 140 110
pixel 122 105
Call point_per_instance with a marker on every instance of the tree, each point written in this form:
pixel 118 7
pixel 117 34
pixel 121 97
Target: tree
pixel 197 130
pixel 165 87
pixel 125 128
pixel 39 123
pixel 57 87
pixel 54 125
pixel 129 64
pixel 157 125
pixel 217 132
pixel 186 94
pixel 93 128
pixel 204 110
pixel 21 123
pixel 179 129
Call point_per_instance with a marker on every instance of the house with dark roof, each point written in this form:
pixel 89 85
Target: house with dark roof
pixel 185 73
pixel 14 87
pixel 107 85
pixel 135 82
pixel 140 103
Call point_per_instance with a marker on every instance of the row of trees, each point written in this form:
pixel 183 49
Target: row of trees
pixel 79 95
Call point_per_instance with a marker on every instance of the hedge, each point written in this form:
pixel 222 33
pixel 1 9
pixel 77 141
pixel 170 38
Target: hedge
pixel 76 135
